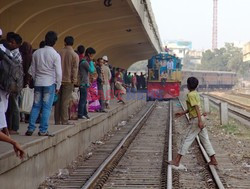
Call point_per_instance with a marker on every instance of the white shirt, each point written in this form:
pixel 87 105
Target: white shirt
pixel 2 48
pixel 46 67
pixel 170 65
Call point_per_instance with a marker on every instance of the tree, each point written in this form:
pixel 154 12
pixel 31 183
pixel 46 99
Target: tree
pixel 228 58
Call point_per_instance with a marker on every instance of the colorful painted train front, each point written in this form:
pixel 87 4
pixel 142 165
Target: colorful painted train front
pixel 164 77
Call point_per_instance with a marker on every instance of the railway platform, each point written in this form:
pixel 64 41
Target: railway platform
pixel 45 155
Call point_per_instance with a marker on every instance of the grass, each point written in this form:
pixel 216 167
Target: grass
pixel 231 129
pixel 234 127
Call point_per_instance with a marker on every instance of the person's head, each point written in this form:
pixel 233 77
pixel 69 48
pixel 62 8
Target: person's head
pixel 90 52
pixel 15 41
pixel 141 73
pixel 100 61
pixel 68 41
pixel 129 73
pixel 42 44
pixel 80 49
pixel 93 77
pixel 105 58
pixel 192 83
pixel 9 35
pixel 50 38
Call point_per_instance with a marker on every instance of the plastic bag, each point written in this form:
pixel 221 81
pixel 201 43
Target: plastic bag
pixel 27 99
pixel 73 105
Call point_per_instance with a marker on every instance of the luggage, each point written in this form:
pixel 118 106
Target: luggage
pixel 27 100
pixel 11 74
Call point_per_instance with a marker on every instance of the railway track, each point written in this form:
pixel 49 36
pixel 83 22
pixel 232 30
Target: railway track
pixel 143 164
pixel 139 160
pixel 232 102
pixel 236 111
pixel 241 94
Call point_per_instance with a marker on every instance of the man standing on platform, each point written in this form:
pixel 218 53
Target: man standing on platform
pixel 100 80
pixel 86 66
pixel 106 84
pixel 46 72
pixel 70 62
pixel 13 113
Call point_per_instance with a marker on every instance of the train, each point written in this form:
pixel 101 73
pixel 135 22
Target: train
pixel 210 79
pixel 164 77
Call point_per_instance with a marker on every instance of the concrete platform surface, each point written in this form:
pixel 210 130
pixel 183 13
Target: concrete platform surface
pixel 45 155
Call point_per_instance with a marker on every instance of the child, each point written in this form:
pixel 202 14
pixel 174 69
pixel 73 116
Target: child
pixel 120 90
pixel 196 126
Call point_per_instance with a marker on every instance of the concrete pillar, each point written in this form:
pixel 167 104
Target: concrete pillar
pixel 206 104
pixel 223 113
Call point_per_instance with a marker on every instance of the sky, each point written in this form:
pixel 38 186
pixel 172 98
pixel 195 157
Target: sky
pixel 192 20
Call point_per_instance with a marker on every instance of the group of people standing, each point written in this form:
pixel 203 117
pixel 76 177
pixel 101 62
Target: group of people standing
pixel 137 82
pixel 54 75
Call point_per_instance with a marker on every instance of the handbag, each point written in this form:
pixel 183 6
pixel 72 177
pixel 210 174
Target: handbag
pixel 73 105
pixel 27 100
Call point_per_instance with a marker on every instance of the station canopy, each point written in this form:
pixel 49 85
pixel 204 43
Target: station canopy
pixel 116 31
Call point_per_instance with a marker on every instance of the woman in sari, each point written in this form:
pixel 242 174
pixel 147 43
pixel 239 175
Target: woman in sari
pixel 93 98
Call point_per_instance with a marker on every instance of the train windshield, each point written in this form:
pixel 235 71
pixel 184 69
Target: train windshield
pixel 164 67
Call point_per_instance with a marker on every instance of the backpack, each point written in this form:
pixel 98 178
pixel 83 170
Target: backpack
pixel 11 74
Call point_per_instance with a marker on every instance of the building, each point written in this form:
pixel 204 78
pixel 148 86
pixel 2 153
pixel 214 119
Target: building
pixel 179 48
pixel 195 56
pixel 246 52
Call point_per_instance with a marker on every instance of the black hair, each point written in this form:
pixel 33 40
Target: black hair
pixel 51 38
pixel 17 38
pixel 42 44
pixel 69 40
pixel 90 50
pixel 99 59
pixel 9 35
pixel 80 49
pixel 192 83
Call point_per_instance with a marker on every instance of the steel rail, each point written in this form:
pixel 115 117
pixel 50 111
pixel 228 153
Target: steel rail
pixel 97 173
pixel 170 141
pixel 230 109
pixel 211 167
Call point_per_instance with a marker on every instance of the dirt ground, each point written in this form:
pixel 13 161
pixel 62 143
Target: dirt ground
pixel 233 141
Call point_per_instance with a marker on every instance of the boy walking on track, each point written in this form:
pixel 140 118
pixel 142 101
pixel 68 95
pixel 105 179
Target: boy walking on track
pixel 196 125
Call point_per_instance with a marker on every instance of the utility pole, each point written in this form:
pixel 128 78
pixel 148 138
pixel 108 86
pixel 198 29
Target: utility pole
pixel 215 25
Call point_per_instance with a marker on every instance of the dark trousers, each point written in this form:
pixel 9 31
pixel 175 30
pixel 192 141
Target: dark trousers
pixel 13 113
pixel 82 106
pixel 101 96
pixel 62 105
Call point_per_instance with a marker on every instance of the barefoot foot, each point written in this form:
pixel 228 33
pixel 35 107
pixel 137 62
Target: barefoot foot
pixel 213 163
pixel 173 163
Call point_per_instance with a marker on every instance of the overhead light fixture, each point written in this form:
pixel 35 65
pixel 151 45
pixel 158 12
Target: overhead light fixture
pixel 107 3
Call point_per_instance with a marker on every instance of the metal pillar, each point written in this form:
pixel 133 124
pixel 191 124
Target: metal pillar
pixel 215 25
